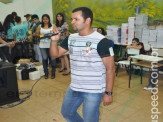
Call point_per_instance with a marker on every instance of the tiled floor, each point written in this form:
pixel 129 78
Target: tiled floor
pixel 130 104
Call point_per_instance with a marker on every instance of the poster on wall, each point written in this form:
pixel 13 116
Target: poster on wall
pixel 115 13
pixel 111 12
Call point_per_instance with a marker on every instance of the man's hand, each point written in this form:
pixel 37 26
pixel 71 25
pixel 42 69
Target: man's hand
pixel 107 99
pixel 11 44
pixel 130 46
pixel 34 34
pixel 56 37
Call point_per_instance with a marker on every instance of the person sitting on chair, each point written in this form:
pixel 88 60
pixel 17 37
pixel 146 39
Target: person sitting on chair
pixel 136 45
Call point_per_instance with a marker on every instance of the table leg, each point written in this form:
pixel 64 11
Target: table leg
pixel 130 72
pixel 141 74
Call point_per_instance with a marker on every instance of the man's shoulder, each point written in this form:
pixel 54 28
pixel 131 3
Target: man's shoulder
pixel 73 35
pixel 14 27
pixel 97 35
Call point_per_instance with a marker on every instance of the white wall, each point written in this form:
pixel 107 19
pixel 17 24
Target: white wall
pixel 23 7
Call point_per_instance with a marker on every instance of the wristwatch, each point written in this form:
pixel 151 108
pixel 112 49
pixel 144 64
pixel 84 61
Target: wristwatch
pixel 109 93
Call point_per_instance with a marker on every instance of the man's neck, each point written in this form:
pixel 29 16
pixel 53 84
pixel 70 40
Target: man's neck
pixel 18 23
pixel 86 32
pixel 38 22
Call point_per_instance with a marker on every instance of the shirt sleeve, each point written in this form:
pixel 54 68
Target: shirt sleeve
pixel 105 48
pixel 64 43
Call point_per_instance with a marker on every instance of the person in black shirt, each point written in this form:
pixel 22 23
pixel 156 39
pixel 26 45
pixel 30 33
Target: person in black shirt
pixel 36 38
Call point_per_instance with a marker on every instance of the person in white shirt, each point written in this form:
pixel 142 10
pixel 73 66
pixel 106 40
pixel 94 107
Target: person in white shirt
pixel 45 28
pixel 92 68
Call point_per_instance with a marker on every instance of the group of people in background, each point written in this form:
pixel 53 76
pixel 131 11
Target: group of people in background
pixel 20 36
pixel 12 29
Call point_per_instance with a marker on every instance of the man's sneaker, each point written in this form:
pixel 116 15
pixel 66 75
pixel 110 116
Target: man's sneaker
pixel 148 88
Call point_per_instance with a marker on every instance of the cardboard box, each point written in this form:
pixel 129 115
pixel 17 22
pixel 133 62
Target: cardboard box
pixel 24 61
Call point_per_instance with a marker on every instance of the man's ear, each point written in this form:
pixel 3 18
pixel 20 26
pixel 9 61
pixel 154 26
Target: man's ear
pixel 88 20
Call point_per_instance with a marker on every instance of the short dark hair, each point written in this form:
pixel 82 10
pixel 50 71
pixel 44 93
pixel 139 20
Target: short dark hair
pixel 135 39
pixel 14 13
pixel 35 16
pixel 17 19
pixel 27 15
pixel 86 13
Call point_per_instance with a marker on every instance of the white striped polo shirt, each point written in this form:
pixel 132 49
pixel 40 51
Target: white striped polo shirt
pixel 88 73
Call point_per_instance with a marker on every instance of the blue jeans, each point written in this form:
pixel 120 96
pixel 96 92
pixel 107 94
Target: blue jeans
pixel 45 52
pixel 38 55
pixel 72 101
pixel 22 50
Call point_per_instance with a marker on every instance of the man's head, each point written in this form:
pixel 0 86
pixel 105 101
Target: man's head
pixel 14 14
pixel 28 17
pixel 82 18
pixel 17 19
pixel 35 18
pixel 86 13
pixel 135 41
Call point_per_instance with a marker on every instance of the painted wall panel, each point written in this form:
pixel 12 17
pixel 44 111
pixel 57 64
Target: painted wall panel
pixel 23 7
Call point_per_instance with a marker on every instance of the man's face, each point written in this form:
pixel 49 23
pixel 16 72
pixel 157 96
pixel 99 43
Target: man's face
pixel 28 18
pixel 35 20
pixel 77 21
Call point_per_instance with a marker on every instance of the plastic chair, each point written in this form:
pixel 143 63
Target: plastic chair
pixel 126 63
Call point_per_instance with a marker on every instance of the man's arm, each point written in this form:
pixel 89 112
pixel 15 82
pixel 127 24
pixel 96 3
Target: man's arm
pixel 14 37
pixel 2 41
pixel 110 73
pixel 106 53
pixel 55 50
pixel 11 44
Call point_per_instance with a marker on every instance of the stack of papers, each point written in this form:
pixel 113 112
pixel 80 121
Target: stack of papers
pixel 124 33
pixel 131 29
pixel 145 35
pixel 160 38
pixel 152 35
pixel 114 33
pixel 141 23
